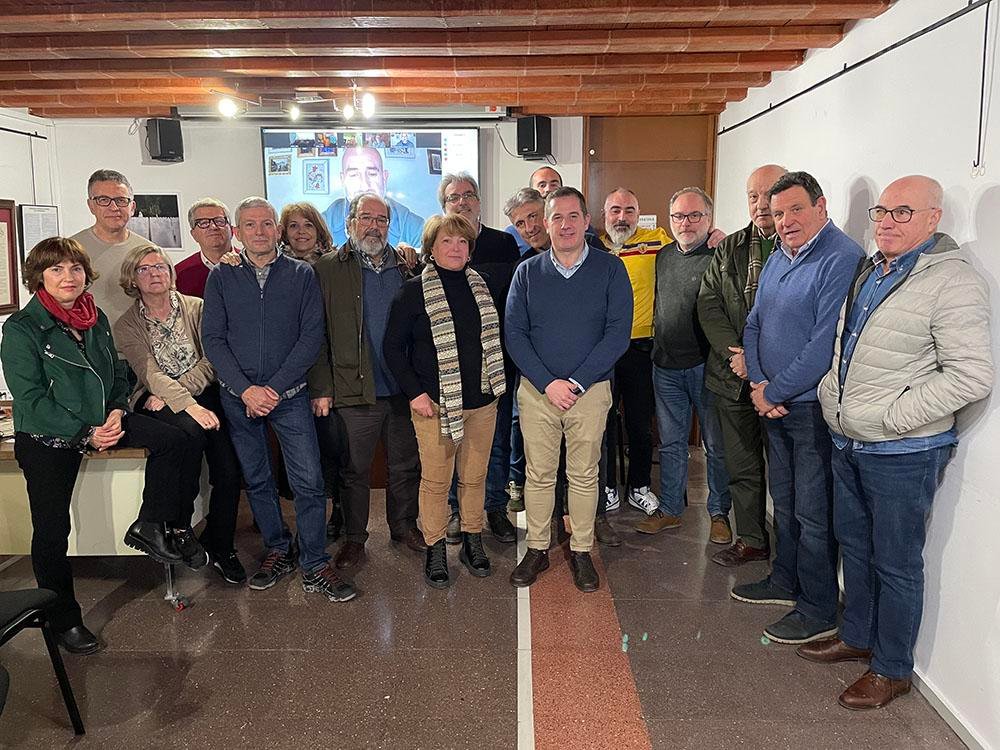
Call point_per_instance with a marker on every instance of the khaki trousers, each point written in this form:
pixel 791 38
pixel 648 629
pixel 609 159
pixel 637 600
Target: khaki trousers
pixel 543 427
pixel 439 457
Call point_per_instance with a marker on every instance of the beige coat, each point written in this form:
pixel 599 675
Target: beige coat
pixel 132 341
pixel 923 354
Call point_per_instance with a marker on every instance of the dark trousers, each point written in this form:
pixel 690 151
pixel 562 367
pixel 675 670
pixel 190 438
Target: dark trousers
pixel 880 506
pixel 223 469
pixel 632 390
pixel 388 419
pixel 743 444
pixel 801 483
pixel 50 474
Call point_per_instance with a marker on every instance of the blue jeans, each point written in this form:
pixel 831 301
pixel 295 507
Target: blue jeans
pixel 880 506
pixel 517 463
pixel 676 392
pixel 801 485
pixel 293 423
pixel 499 466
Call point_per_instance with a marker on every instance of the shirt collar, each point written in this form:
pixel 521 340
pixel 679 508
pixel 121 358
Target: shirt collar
pixel 246 257
pixel 805 248
pixel 583 257
pixel 907 260
pixel 174 308
pixel 206 262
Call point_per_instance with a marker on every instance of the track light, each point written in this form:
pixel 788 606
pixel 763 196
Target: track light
pixel 367 105
pixel 348 111
pixel 294 112
pixel 227 107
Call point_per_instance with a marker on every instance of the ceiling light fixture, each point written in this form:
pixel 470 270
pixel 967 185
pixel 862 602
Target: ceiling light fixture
pixel 227 107
pixel 367 105
pixel 294 112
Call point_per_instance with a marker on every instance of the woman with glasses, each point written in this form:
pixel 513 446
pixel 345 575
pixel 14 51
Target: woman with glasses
pixel 160 336
pixel 71 397
pixel 442 345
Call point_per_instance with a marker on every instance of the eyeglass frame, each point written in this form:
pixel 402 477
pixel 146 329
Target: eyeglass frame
pixel 892 212
pixel 701 215
pixel 381 221
pixel 160 267
pixel 468 195
pixel 212 220
pixel 111 199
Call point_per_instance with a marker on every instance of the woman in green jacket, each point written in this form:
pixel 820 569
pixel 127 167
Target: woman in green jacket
pixel 70 397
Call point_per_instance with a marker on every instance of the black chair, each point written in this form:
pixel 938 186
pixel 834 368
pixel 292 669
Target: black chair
pixel 26 609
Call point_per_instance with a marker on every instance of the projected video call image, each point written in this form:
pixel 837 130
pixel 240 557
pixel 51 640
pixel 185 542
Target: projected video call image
pixel 328 168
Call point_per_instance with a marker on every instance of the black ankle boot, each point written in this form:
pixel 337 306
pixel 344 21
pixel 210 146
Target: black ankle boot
pixel 473 556
pixel 151 538
pixel 436 567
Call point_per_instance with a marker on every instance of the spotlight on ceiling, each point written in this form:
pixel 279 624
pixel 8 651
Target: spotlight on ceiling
pixel 348 111
pixel 227 107
pixel 294 112
pixel 367 105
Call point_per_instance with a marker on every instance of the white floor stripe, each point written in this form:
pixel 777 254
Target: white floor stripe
pixel 525 694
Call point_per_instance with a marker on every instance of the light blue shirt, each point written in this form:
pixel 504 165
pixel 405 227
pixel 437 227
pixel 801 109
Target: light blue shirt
pixel 567 272
pixel 805 248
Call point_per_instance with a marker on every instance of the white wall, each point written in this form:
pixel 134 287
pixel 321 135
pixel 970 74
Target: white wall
pixel 914 110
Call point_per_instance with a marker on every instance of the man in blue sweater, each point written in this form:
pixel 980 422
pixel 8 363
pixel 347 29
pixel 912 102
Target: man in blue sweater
pixel 262 328
pixel 569 319
pixel 788 342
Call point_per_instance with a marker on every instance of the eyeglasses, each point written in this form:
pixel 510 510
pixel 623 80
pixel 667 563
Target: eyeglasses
pixel 107 200
pixel 220 221
pixel 900 214
pixel 694 217
pixel 158 267
pixel 456 197
pixel 382 221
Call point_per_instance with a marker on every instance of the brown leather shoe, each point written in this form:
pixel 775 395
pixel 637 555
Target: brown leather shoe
pixel 721 532
pixel 657 522
pixel 873 691
pixel 533 563
pixel 740 554
pixel 832 650
pixel 350 555
pixel 412 538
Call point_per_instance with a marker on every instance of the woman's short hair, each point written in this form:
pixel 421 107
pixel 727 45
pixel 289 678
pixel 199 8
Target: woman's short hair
pixel 455 225
pixel 126 279
pixel 50 252
pixel 309 213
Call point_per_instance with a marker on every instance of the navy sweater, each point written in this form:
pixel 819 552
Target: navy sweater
pixel 789 334
pixel 575 328
pixel 268 337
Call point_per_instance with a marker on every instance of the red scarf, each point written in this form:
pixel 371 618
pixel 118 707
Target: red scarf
pixel 82 316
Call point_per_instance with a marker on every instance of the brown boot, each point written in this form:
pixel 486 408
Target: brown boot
pixel 657 522
pixel 832 650
pixel 873 691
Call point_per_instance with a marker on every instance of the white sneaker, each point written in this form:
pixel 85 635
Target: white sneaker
pixel 642 499
pixel 514 490
pixel 613 501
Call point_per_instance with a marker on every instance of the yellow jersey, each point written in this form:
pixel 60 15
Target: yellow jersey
pixel 639 256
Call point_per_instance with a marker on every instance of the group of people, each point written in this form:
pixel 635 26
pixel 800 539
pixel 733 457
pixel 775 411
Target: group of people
pixel 494 365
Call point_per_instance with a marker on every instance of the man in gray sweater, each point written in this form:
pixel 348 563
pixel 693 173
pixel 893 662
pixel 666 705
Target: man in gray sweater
pixel 679 351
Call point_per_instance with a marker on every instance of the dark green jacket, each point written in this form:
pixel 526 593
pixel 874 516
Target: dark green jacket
pixel 722 311
pixel 344 369
pixel 57 391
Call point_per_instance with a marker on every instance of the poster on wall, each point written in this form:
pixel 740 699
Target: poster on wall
pixel 34 224
pixel 8 259
pixel 158 219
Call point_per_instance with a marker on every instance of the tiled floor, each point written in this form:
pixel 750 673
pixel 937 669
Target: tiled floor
pixel 404 666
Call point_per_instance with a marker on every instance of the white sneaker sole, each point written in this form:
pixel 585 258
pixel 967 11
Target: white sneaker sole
pixel 798 641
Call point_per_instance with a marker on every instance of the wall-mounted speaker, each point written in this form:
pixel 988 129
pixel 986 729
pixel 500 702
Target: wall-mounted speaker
pixel 534 137
pixel 163 137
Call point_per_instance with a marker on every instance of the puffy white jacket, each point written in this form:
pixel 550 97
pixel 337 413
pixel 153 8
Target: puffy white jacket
pixel 923 354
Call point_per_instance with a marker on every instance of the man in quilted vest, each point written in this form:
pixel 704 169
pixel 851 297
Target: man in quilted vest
pixel 912 348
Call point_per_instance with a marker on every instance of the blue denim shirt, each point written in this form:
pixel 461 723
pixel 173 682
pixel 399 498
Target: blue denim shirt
pixel 873 292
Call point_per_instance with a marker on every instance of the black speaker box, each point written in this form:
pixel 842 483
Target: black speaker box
pixel 534 137
pixel 163 137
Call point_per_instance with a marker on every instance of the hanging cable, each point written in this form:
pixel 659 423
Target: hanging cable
pixel 977 164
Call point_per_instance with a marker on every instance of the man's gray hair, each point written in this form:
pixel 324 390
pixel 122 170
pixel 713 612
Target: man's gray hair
pixel 694 191
pixel 208 203
pixel 108 175
pixel 522 197
pixel 450 179
pixel 254 201
pixel 355 205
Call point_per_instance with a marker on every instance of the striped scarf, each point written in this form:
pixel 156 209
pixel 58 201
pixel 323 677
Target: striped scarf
pixel 443 331
pixel 756 263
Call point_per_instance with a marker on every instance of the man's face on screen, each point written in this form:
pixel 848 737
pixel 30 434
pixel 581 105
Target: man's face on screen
pixel 361 172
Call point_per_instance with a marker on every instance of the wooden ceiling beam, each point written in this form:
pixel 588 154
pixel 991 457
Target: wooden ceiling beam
pixel 579 110
pixel 358 67
pixel 162 15
pixel 289 87
pixel 348 43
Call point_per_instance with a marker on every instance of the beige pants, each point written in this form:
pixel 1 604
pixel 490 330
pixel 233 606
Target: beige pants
pixel 543 427
pixel 438 458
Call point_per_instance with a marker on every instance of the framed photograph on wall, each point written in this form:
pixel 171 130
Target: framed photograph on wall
pixel 158 219
pixel 8 259
pixel 34 224
pixel 316 176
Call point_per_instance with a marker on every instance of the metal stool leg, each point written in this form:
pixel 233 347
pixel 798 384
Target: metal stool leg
pixel 60 669
pixel 178 600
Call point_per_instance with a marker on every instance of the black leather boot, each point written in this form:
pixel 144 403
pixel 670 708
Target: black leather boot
pixel 151 537
pixel 473 556
pixel 436 567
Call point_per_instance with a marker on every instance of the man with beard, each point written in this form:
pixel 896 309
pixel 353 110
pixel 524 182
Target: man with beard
pixel 358 283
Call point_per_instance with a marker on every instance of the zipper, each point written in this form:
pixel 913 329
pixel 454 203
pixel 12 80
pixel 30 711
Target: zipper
pixel 104 398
